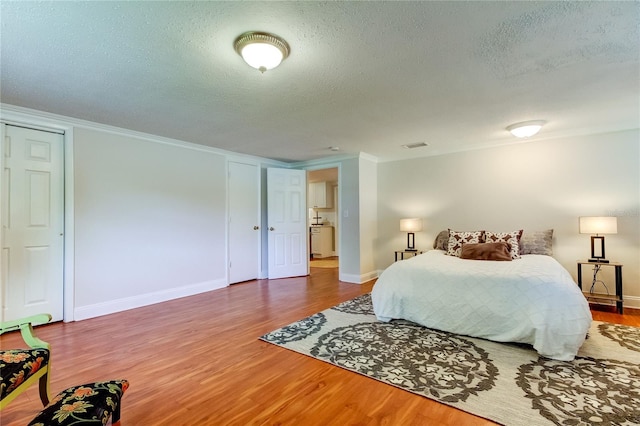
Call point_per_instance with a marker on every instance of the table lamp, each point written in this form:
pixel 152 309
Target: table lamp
pixel 411 225
pixel 598 225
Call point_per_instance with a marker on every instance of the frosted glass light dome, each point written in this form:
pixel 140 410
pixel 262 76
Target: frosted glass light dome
pixel 525 129
pixel 262 51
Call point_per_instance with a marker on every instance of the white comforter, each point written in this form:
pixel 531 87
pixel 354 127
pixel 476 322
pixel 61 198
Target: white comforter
pixel 528 300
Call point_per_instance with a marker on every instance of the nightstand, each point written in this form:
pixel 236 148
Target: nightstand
pixel 402 253
pixel 617 297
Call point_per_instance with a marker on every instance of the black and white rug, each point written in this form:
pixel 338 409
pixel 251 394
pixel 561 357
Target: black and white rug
pixel 506 383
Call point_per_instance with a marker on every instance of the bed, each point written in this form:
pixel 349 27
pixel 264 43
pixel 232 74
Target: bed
pixel 531 299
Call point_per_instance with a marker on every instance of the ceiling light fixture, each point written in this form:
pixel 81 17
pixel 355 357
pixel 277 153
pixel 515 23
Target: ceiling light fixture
pixel 526 129
pixel 415 145
pixel 262 51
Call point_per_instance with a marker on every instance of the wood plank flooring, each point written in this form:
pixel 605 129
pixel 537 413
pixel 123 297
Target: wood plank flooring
pixel 198 361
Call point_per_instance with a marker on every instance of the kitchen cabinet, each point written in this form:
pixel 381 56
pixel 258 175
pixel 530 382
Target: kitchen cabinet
pixel 322 241
pixel 320 195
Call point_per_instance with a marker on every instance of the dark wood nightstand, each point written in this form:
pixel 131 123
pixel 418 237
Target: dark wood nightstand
pixel 409 253
pixel 600 297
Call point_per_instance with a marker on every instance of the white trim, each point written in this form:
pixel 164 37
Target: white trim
pixel 358 279
pixel 325 163
pixel 631 302
pixel 338 211
pixel 33 127
pixel 257 161
pixel 13 115
pixel 69 227
pixel 127 303
pixel 321 163
pixel 55 121
pixel 369 157
pixel 2 273
pixel 227 256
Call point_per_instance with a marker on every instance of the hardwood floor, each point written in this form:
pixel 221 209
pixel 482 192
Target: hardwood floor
pixel 198 361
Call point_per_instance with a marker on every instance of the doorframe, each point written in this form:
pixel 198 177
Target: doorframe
pixel 48 124
pixel 323 166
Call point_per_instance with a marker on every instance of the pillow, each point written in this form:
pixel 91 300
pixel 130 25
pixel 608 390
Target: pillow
pixel 513 238
pixel 457 238
pixel 486 251
pixel 537 242
pixel 442 241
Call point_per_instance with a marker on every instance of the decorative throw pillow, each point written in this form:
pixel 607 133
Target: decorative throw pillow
pixel 442 241
pixel 486 251
pixel 458 238
pixel 537 242
pixel 513 238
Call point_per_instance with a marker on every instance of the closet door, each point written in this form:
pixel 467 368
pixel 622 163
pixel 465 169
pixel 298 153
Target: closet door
pixel 244 221
pixel 32 223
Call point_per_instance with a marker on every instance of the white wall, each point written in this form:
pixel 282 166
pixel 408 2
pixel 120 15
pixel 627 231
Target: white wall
pixel 350 221
pixel 368 194
pixel 149 222
pixel 531 186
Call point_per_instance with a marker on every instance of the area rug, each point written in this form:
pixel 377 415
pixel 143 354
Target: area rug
pixel 506 383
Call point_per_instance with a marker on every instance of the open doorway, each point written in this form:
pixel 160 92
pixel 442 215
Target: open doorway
pixel 323 218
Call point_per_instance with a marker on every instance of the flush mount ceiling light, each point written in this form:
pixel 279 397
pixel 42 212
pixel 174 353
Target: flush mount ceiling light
pixel 526 129
pixel 262 51
pixel 415 145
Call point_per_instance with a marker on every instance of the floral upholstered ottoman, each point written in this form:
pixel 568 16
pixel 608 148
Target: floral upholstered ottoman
pixel 89 404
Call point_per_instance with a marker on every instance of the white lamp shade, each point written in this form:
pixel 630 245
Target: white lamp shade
pixel 411 225
pixel 598 225
pixel 261 56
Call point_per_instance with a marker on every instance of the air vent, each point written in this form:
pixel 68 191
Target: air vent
pixel 415 145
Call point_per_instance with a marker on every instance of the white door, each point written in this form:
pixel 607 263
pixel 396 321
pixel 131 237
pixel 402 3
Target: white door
pixel 33 223
pixel 288 232
pixel 244 221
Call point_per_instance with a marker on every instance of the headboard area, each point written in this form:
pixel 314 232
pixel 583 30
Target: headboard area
pixel 531 242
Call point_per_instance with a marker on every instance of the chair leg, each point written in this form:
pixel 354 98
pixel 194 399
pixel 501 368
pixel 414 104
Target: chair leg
pixel 44 389
pixel 115 416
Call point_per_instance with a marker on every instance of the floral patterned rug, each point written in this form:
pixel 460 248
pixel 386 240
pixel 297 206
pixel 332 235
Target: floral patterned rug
pixel 506 383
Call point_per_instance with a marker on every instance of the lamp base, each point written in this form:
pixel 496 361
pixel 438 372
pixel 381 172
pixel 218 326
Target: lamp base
pixel 598 261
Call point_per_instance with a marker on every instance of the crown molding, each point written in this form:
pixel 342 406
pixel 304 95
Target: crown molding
pixel 20 115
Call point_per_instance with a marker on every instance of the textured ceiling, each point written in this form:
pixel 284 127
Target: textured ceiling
pixel 363 76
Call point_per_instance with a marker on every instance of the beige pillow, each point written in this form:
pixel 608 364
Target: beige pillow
pixel 442 240
pixel 486 251
pixel 537 242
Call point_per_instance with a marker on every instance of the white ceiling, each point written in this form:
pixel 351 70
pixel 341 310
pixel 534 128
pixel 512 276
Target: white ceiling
pixel 363 76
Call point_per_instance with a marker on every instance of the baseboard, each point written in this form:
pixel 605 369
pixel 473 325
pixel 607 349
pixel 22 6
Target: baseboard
pixel 119 305
pixel 358 279
pixel 632 302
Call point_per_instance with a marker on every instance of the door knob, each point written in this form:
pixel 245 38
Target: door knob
pixel 272 229
pixel 255 228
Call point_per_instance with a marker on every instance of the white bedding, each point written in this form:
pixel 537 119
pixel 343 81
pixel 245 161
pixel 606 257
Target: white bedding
pixel 528 300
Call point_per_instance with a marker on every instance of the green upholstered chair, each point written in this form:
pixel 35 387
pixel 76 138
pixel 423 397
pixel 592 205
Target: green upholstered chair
pixel 88 404
pixel 20 368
